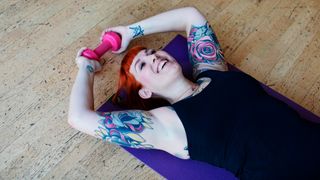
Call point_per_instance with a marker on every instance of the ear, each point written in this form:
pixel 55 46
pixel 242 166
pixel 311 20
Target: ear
pixel 145 93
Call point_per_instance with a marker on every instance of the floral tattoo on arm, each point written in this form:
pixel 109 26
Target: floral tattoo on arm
pixel 137 31
pixel 124 128
pixel 204 47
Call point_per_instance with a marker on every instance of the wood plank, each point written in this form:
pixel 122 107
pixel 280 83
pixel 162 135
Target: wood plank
pixel 286 75
pixel 48 157
pixel 34 17
pixel 277 42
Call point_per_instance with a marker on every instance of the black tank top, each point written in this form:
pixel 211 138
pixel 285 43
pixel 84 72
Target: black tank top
pixel 234 124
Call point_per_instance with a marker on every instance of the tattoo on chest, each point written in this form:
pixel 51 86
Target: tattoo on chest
pixel 137 31
pixel 124 128
pixel 203 45
pixel 203 83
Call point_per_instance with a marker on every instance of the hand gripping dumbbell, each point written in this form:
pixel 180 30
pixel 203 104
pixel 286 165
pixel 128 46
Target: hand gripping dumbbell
pixel 110 40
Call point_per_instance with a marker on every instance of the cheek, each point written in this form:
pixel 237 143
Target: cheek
pixel 173 68
pixel 151 80
pixel 146 78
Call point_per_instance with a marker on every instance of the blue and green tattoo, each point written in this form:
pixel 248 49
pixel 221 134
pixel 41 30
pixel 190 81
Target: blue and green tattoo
pixel 204 47
pixel 90 69
pixel 124 128
pixel 137 31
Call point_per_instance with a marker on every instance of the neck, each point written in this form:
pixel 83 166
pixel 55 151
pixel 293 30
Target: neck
pixel 180 90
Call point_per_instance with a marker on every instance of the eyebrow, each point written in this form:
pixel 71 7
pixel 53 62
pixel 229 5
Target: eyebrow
pixel 135 64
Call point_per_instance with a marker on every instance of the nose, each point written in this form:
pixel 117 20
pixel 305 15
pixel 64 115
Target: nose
pixel 152 60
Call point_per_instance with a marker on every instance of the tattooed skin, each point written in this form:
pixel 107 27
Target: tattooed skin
pixel 90 68
pixel 124 128
pixel 186 149
pixel 182 155
pixel 204 47
pixel 171 108
pixel 137 31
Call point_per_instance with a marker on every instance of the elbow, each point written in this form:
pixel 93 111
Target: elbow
pixel 194 17
pixel 78 121
pixel 73 120
pixel 192 9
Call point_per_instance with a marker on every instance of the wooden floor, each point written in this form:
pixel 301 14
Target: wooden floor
pixel 276 41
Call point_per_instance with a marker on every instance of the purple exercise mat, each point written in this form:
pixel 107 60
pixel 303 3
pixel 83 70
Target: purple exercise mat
pixel 171 167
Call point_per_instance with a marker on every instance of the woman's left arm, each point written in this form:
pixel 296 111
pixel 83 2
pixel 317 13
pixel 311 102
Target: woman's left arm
pixel 180 19
pixel 204 48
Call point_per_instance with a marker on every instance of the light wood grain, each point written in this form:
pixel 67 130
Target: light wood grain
pixel 277 42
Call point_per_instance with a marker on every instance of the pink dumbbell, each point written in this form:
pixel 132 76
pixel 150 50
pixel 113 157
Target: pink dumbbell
pixel 110 40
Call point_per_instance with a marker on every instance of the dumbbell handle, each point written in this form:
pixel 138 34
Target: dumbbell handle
pixel 110 40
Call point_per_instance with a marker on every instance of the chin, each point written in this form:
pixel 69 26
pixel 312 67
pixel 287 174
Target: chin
pixel 175 72
pixel 177 68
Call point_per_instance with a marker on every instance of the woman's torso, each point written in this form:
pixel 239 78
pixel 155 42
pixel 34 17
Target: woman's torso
pixel 233 123
pixel 175 141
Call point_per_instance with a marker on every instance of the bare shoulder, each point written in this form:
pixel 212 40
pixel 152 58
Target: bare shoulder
pixel 163 111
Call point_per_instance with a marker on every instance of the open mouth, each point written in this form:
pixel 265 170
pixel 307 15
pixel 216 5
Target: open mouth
pixel 162 64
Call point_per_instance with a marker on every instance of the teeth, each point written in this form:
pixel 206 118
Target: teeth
pixel 162 65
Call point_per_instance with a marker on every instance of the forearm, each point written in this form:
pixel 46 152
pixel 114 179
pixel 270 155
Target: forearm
pixel 175 20
pixel 81 98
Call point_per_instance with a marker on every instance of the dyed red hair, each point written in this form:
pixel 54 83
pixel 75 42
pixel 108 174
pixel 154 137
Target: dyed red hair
pixel 127 94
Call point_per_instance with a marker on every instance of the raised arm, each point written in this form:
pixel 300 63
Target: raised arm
pixel 204 49
pixel 174 20
pixel 203 46
pixel 132 128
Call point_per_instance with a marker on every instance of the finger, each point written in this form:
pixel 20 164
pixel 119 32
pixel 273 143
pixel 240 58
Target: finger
pixel 80 51
pixel 98 68
pixel 123 47
pixel 103 32
pixel 119 51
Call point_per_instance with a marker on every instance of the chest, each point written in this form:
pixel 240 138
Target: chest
pixel 176 141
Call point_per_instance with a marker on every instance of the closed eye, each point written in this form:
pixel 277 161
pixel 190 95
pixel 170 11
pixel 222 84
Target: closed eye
pixel 148 52
pixel 142 65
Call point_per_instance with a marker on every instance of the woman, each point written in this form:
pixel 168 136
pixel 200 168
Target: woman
pixel 222 118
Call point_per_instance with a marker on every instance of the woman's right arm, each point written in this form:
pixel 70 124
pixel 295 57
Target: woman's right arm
pixel 133 128
pixel 174 20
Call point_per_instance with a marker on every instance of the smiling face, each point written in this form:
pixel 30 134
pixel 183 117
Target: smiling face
pixel 155 70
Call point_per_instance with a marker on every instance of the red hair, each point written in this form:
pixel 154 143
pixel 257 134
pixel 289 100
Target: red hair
pixel 127 94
